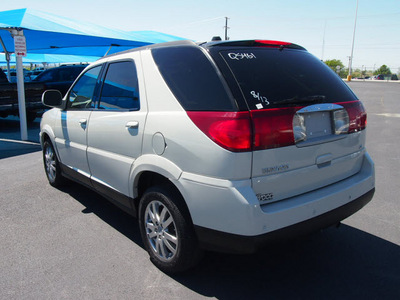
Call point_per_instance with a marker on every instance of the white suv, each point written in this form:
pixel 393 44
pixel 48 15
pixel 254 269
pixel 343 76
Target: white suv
pixel 221 146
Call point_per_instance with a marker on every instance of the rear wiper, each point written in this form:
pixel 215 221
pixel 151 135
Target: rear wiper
pixel 301 100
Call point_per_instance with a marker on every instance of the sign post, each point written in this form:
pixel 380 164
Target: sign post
pixel 20 51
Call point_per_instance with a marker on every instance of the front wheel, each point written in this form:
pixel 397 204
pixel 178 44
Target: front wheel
pixel 167 231
pixel 51 165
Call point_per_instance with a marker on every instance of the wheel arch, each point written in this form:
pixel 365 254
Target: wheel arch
pixel 47 134
pixel 155 165
pixel 152 170
pixel 148 179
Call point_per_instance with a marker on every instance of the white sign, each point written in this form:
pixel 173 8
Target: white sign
pixel 20 45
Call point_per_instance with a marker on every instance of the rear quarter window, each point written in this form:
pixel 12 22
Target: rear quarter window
pixel 193 79
pixel 120 88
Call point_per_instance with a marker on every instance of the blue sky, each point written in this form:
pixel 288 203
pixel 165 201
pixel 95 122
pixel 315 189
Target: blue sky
pixel 325 28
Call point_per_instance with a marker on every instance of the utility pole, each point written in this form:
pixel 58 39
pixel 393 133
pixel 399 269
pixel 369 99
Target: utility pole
pixel 352 46
pixel 226 29
pixel 323 43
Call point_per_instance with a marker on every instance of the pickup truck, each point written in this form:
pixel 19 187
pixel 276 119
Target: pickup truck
pixel 59 78
pixel 9 98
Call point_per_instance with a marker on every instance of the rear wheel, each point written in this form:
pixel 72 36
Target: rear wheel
pixel 167 231
pixel 52 165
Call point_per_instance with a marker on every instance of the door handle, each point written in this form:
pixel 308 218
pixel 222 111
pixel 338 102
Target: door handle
pixel 132 124
pixel 82 121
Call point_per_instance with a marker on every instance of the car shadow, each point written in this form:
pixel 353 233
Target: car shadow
pixel 343 263
pixel 102 208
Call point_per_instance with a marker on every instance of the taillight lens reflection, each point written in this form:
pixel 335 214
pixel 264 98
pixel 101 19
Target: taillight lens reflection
pixel 341 121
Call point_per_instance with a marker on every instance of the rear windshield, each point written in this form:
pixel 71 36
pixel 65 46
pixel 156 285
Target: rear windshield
pixel 269 77
pixel 193 79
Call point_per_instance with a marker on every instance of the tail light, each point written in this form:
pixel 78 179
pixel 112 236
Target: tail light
pixel 247 131
pixel 357 115
pixel 273 128
pixel 230 130
pixel 270 128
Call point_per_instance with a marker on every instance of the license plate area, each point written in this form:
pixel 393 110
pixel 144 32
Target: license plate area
pixel 315 124
pixel 318 124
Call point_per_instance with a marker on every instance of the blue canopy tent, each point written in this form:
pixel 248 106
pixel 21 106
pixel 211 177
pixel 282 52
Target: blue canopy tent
pixel 50 34
pixel 36 58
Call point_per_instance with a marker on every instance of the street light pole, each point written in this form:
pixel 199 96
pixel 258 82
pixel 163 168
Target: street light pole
pixel 352 46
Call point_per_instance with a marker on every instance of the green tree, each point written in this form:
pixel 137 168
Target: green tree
pixel 384 70
pixel 333 63
pixel 337 66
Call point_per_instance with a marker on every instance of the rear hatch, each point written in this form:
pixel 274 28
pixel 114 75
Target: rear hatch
pixel 307 125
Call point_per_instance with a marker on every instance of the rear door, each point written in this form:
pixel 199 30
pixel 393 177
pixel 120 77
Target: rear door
pixel 116 127
pixel 297 107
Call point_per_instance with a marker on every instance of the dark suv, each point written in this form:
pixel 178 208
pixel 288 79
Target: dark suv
pixel 60 78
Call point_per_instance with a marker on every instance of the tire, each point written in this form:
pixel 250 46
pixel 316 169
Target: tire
pixel 167 231
pixel 52 165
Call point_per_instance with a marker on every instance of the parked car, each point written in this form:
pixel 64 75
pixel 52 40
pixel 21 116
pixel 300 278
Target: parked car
pixel 9 98
pixel 59 78
pixel 385 77
pixel 13 75
pixel 222 146
pixel 378 77
pixel 3 76
pixel 33 74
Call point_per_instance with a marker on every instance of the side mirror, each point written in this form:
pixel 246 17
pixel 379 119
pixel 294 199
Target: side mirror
pixel 52 98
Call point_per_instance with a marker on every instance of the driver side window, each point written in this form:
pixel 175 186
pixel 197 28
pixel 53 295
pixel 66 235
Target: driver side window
pixel 81 95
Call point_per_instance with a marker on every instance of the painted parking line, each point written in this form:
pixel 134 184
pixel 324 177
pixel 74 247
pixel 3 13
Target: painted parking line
pixel 389 115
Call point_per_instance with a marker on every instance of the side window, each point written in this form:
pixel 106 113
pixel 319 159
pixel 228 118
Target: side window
pixel 69 74
pixel 48 75
pixel 120 88
pixel 81 95
pixel 192 78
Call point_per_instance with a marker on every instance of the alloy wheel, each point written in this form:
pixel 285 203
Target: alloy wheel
pixel 161 231
pixel 50 164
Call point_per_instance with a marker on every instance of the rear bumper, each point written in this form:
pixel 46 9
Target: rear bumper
pixel 228 216
pixel 232 243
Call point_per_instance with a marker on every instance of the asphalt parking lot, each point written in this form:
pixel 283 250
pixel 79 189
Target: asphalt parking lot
pixel 73 244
